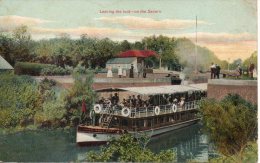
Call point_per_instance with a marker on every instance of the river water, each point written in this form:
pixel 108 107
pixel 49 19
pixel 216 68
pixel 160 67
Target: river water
pixel 59 145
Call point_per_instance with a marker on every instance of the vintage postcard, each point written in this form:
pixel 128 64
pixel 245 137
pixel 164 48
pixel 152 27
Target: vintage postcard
pixel 128 81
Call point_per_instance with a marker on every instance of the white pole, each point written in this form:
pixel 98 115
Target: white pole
pixel 160 63
pixel 196 71
pixel 228 64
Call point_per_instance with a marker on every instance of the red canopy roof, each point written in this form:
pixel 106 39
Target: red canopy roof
pixel 137 53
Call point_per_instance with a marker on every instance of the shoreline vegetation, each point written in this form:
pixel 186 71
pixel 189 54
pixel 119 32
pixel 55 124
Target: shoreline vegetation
pixel 28 105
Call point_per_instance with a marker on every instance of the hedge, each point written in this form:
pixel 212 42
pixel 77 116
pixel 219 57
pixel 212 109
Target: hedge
pixel 36 69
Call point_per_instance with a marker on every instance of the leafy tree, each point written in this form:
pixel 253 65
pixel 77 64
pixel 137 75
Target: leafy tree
pixel 7 48
pixel 250 155
pixel 19 100
pixel 165 47
pixel 127 149
pixel 235 63
pixel 125 45
pixel 251 59
pixel 53 107
pixel 82 89
pixel 22 44
pixel 231 124
pixel 138 45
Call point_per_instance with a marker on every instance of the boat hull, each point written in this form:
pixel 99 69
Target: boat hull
pixel 97 137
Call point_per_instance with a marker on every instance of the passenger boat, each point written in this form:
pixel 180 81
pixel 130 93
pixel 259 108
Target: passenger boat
pixel 167 108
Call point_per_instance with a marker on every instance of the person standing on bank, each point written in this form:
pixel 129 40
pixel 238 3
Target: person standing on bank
pixel 131 74
pixel 120 72
pixel 145 71
pixel 109 72
pixel 217 70
pixel 213 71
pixel 139 67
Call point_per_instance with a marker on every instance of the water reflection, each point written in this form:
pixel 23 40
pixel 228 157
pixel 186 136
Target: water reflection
pixel 189 144
pixel 59 145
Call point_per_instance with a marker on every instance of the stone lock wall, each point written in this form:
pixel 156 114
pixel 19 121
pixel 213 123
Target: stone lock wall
pixel 219 88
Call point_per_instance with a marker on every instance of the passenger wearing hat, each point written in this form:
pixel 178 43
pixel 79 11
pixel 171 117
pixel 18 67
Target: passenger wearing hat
pixel 182 102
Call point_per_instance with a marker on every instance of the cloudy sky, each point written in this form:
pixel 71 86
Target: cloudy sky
pixel 227 27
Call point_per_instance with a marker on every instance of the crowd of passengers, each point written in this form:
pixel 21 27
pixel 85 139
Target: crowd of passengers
pixel 137 101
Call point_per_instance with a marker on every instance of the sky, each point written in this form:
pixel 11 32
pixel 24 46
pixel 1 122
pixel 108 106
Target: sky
pixel 226 27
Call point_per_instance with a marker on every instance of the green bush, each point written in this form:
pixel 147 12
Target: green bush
pixel 35 69
pixel 231 123
pixel 19 100
pixel 128 149
pixel 55 71
pixel 52 111
pixel 27 68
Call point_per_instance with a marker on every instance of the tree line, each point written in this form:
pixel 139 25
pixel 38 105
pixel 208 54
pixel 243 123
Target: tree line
pixel 18 46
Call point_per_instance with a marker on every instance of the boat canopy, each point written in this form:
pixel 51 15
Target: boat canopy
pixel 168 89
pixel 110 90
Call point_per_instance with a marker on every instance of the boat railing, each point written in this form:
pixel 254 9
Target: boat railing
pixel 151 110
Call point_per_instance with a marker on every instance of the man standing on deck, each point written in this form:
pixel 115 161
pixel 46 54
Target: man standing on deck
pixel 217 70
pixel 212 70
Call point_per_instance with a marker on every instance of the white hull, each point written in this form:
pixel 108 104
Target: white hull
pixel 88 138
pixel 94 138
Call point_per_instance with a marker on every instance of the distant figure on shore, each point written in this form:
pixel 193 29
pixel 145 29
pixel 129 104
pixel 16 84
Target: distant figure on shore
pixel 120 72
pixel 239 69
pixel 139 69
pixel 217 70
pixel 131 74
pixel 124 73
pixel 213 71
pixel 109 72
pixel 145 71
pixel 251 70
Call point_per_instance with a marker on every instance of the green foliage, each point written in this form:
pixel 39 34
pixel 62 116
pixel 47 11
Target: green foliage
pixel 82 89
pixel 19 100
pixel 251 59
pixel 231 123
pixel 235 64
pixel 53 109
pixel 39 69
pixel 23 102
pixel 92 52
pixel 30 68
pixel 165 47
pixel 55 71
pixel 250 155
pixel 127 149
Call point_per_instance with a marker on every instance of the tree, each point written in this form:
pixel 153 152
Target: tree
pixel 82 89
pixel 125 45
pixel 235 64
pixel 231 124
pixel 128 149
pixel 165 47
pixel 22 44
pixel 251 59
pixel 7 48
